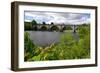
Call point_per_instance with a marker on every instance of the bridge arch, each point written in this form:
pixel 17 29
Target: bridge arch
pixel 43 28
pixel 35 28
pixel 54 28
pixel 64 28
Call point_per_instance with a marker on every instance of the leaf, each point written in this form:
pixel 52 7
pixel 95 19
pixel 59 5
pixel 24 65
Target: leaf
pixel 36 58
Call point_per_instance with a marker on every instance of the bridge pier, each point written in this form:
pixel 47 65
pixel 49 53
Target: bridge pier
pixel 74 28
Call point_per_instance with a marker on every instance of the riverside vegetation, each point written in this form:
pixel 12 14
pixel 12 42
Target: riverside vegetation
pixel 67 48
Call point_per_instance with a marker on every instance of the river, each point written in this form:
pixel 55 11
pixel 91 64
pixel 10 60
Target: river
pixel 46 38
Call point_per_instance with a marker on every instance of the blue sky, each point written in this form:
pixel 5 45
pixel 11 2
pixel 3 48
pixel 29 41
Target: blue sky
pixel 57 17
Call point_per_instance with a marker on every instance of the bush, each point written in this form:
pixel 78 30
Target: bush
pixel 29 46
pixel 83 31
pixel 68 28
pixel 67 38
pixel 27 26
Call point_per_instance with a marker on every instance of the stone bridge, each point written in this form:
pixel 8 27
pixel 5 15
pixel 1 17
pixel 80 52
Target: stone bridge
pixel 49 27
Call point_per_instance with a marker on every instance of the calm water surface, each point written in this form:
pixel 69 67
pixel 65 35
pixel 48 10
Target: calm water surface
pixel 46 38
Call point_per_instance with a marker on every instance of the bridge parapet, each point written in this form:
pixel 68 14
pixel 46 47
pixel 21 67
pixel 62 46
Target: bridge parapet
pixel 48 27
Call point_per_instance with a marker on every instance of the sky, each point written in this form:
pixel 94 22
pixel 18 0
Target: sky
pixel 57 17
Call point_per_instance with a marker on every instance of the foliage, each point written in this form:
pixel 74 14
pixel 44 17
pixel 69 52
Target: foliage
pixel 34 22
pixel 44 23
pixel 52 23
pixel 68 28
pixel 83 31
pixel 29 46
pixel 27 26
pixel 67 48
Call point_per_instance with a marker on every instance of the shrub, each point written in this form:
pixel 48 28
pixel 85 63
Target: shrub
pixel 68 28
pixel 27 26
pixel 29 46
pixel 83 31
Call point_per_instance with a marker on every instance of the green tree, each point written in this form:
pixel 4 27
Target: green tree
pixel 52 23
pixel 27 26
pixel 34 22
pixel 44 23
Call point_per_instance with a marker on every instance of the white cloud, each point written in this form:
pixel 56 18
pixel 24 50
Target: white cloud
pixel 59 18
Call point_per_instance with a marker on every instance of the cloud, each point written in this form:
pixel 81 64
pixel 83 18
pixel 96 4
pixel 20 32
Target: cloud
pixel 38 16
pixel 57 17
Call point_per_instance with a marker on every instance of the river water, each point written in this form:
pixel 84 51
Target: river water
pixel 46 38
